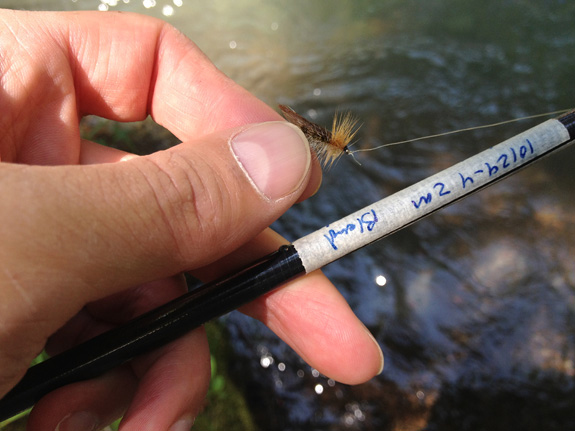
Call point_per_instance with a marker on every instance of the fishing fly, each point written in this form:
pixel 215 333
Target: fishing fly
pixel 327 145
pixel 330 145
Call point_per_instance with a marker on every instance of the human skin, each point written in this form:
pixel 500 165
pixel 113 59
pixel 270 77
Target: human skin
pixel 91 236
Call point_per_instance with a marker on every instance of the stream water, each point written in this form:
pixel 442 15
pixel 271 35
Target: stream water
pixel 477 315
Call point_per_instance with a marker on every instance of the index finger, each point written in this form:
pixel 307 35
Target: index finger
pixel 129 66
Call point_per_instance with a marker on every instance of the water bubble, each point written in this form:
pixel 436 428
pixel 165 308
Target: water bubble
pixel 167 10
pixel 380 280
pixel 318 389
pixel 233 44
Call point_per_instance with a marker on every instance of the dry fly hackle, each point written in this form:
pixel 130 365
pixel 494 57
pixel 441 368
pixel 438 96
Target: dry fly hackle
pixel 327 145
pixel 343 130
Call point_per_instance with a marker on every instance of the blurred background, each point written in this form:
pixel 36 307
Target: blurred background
pixel 474 307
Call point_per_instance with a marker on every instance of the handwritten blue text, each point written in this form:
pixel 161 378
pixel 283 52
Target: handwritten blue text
pixel 503 162
pixel 365 222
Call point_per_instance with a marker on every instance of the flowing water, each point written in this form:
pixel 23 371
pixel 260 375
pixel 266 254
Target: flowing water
pixel 475 311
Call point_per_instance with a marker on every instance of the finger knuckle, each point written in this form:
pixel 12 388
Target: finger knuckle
pixel 190 200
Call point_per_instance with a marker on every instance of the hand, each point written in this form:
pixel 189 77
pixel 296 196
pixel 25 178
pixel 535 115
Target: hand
pixel 100 235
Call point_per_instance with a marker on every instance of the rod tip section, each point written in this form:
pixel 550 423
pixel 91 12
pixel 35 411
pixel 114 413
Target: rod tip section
pixel 568 120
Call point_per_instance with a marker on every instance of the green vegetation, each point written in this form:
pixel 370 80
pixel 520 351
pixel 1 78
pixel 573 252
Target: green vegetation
pixel 226 407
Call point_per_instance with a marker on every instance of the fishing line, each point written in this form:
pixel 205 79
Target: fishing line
pixel 467 129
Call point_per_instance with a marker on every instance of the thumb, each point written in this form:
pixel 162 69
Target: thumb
pixel 74 234
pixel 214 195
